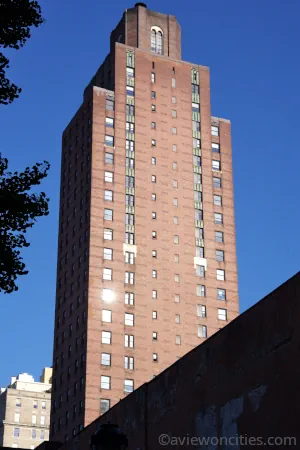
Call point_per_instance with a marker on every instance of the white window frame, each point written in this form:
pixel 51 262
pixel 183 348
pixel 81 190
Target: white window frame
pixel 214 130
pixel 220 273
pixel 222 314
pixel 106 337
pixel 106 315
pixel 129 319
pixel 108 176
pixel 105 382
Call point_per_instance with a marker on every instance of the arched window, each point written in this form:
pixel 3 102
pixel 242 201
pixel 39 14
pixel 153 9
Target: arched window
pixel 156 40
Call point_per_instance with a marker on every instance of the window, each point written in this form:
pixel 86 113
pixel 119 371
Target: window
pixel 152 77
pixel 154 294
pixel 201 310
pixel 154 253
pixel 129 112
pixel 104 405
pixel 106 337
pixel 176 259
pixel 108 234
pixel 196 126
pixel 176 239
pixel 107 274
pixel 219 255
pixel 200 271
pixel 108 177
pixel 218 218
pixel 174 113
pixel 17 417
pixel 130 127
pixel 217 182
pixel 129 238
pixel 129 340
pixel 217 200
pixel 195 89
pixel 177 318
pixel 154 335
pixel 175 202
pixel 174 130
pixel 33 421
pixel 43 420
pixel 109 122
pixel 105 382
pixel 106 315
pixel 154 273
pixel 129 219
pixel 174 165
pixel 130 72
pixel 178 340
pixel 200 290
pixel 197 161
pixel 129 277
pixel 109 140
pixel 108 214
pixel 16 432
pixel 153 108
pixel 174 100
pixel 153 143
pixel 154 235
pixel 107 295
pixel 33 433
pixel 18 403
pixel 153 125
pixel 129 181
pixel 197 178
pixel 130 163
pixel 220 275
pixel 175 220
pixel 129 320
pixel 216 165
pixel 128 362
pixel 221 294
pixel 108 253
pixel 129 298
pixel 109 104
pixel 196 107
pixel 153 178
pixel 156 40
pixel 153 161
pixel 222 314
pixel 35 403
pixel 154 197
pixel 129 91
pixel 153 215
pixel 108 195
pixel 128 385
pixel 153 94
pixel 214 131
pixel 154 315
pixel 129 257
pixel 109 158
pixel 173 82
pixel 198 214
pixel 215 148
pixel 129 200
pixel 202 331
pixel 174 148
pixel 196 143
pixel 177 298
pixel 154 357
pixel 105 359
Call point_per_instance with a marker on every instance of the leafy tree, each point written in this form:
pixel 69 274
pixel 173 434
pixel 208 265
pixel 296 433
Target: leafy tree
pixel 16 18
pixel 19 207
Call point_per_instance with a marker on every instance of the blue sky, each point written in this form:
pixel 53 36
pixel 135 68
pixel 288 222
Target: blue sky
pixel 252 49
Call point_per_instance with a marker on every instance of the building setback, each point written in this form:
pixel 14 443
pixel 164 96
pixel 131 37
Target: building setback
pixel 25 411
pixel 147 257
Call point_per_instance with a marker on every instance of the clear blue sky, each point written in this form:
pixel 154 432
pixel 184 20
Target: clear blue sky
pixel 252 49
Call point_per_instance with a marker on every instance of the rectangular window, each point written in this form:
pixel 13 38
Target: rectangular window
pixel 176 239
pixel 216 165
pixel 175 220
pixel 154 294
pixel 107 274
pixel 105 359
pixel 195 89
pixel 177 298
pixel 218 218
pixel 200 271
pixel 175 166
pixel 176 278
pixel 173 100
pixel 129 220
pixel 153 215
pixel 17 417
pixel 106 315
pixel 153 125
pixel 174 130
pixel 108 195
pixel 130 127
pixel 198 196
pixel 108 214
pixel 104 405
pixel 215 148
pixel 129 181
pixel 196 107
pixel 108 254
pixel 174 113
pixel 18 403
pixel 129 91
pixel 154 335
pixel 195 126
pixel 110 104
pixel 129 257
pixel 129 200
pixel 129 362
pixel 107 295
pixel 153 108
pixel 154 253
pixel 109 140
pixel 196 143
pixel 154 315
pixel 129 340
pixel 153 161
pixel 128 385
pixel 220 275
pixel 154 357
pixel 129 320
pixel 219 255
pixel 201 311
pixel 34 419
pixel 214 131
pixel 178 340
pixel 222 314
pixel 106 337
pixel 109 122
pixel 176 259
pixel 153 143
pixel 197 178
pixel 43 420
pixel 177 318
pixel 202 331
pixel 198 214
pixel 129 277
pixel 108 177
pixel 197 161
pixel 152 77
pixel 217 182
pixel 109 158
pixel 35 404
pixel 42 435
pixel 153 197
pixel 129 298
pixel 154 274
pixel 173 82
pixel 217 200
pixel 129 238
pixel 108 234
pixel 200 290
pixel 16 432
pixel 33 433
pixel 105 382
pixel 153 178
pixel 129 112
pixel 219 236
pixel 175 202
pixel 174 148
pixel 221 294
pixel 130 72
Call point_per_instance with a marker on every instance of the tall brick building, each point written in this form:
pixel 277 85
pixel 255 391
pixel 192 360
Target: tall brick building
pixel 147 258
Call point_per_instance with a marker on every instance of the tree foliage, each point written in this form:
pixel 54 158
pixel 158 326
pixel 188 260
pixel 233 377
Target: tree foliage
pixel 16 19
pixel 19 209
